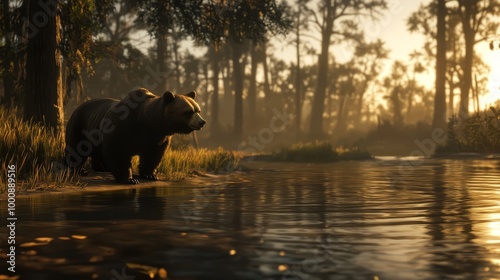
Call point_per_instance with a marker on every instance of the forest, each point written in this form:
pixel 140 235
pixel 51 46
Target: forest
pixel 277 139
pixel 57 54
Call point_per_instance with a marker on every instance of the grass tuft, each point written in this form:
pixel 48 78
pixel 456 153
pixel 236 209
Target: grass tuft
pixel 178 164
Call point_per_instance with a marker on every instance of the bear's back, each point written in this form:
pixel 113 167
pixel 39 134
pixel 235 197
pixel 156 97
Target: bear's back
pixel 139 95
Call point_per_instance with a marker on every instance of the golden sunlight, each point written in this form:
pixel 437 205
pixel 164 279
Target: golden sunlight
pixel 493 59
pixel 494 227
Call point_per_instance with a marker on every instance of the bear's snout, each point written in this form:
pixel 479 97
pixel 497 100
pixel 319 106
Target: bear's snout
pixel 197 122
pixel 202 123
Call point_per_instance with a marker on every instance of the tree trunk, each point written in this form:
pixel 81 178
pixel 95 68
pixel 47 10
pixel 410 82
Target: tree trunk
pixel 468 59
pixel 267 84
pixel 215 95
pixel 8 77
pixel 177 63
pixel 44 99
pixel 439 117
pixel 161 50
pixel 226 80
pixel 358 121
pixel 341 126
pixel 398 114
pixel 252 89
pixel 298 81
pixel 409 106
pixel 318 105
pixel 238 91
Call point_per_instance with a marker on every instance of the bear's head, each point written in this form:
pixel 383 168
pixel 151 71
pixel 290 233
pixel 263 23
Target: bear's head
pixel 183 112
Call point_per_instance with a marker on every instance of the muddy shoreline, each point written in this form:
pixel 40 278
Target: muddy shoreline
pixel 101 182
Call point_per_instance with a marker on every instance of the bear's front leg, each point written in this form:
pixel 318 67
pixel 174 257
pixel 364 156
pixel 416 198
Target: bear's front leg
pixel 125 177
pixel 121 168
pixel 149 162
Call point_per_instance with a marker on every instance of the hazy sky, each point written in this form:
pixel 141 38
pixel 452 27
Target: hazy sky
pixel 394 32
pixel 391 28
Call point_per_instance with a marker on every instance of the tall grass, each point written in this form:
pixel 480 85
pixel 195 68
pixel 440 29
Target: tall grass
pixel 177 164
pixel 35 151
pixel 318 151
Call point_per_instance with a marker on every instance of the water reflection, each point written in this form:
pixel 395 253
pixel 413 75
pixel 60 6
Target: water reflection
pixel 353 220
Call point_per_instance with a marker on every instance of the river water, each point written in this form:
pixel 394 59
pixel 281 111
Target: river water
pixel 382 219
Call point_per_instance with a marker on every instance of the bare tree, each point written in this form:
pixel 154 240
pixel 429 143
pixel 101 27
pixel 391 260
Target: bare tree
pixel 477 18
pixel 327 19
pixel 439 116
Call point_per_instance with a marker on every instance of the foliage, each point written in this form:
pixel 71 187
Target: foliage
pixel 479 133
pixel 467 24
pixel 318 151
pixel 160 16
pixel 80 21
pixel 237 21
pixel 453 144
pixel 213 22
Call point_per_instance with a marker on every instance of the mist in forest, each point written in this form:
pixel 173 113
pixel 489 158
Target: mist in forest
pixel 267 73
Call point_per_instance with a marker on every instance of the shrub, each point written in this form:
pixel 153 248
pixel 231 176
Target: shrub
pixel 479 133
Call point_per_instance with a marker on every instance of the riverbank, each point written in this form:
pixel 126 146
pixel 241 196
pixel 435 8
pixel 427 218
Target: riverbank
pixel 103 181
pixel 466 156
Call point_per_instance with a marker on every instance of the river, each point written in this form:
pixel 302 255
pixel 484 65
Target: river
pixel 383 219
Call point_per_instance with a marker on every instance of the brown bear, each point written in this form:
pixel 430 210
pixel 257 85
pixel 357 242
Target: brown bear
pixel 111 131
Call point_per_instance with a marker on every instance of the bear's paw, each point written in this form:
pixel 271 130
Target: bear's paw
pixel 128 181
pixel 151 177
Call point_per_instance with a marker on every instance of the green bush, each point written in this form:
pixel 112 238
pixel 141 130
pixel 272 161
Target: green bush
pixel 479 133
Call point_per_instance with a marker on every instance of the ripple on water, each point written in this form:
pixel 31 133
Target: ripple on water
pixel 385 219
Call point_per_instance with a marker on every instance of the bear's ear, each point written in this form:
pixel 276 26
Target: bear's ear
pixel 191 94
pixel 168 97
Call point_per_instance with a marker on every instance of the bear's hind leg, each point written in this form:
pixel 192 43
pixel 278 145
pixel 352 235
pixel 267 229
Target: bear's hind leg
pixel 74 161
pixel 98 163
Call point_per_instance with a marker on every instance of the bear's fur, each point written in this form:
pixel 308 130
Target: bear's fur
pixel 111 131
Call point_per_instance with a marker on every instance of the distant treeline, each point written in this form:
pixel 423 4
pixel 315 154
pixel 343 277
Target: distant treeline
pixel 56 54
